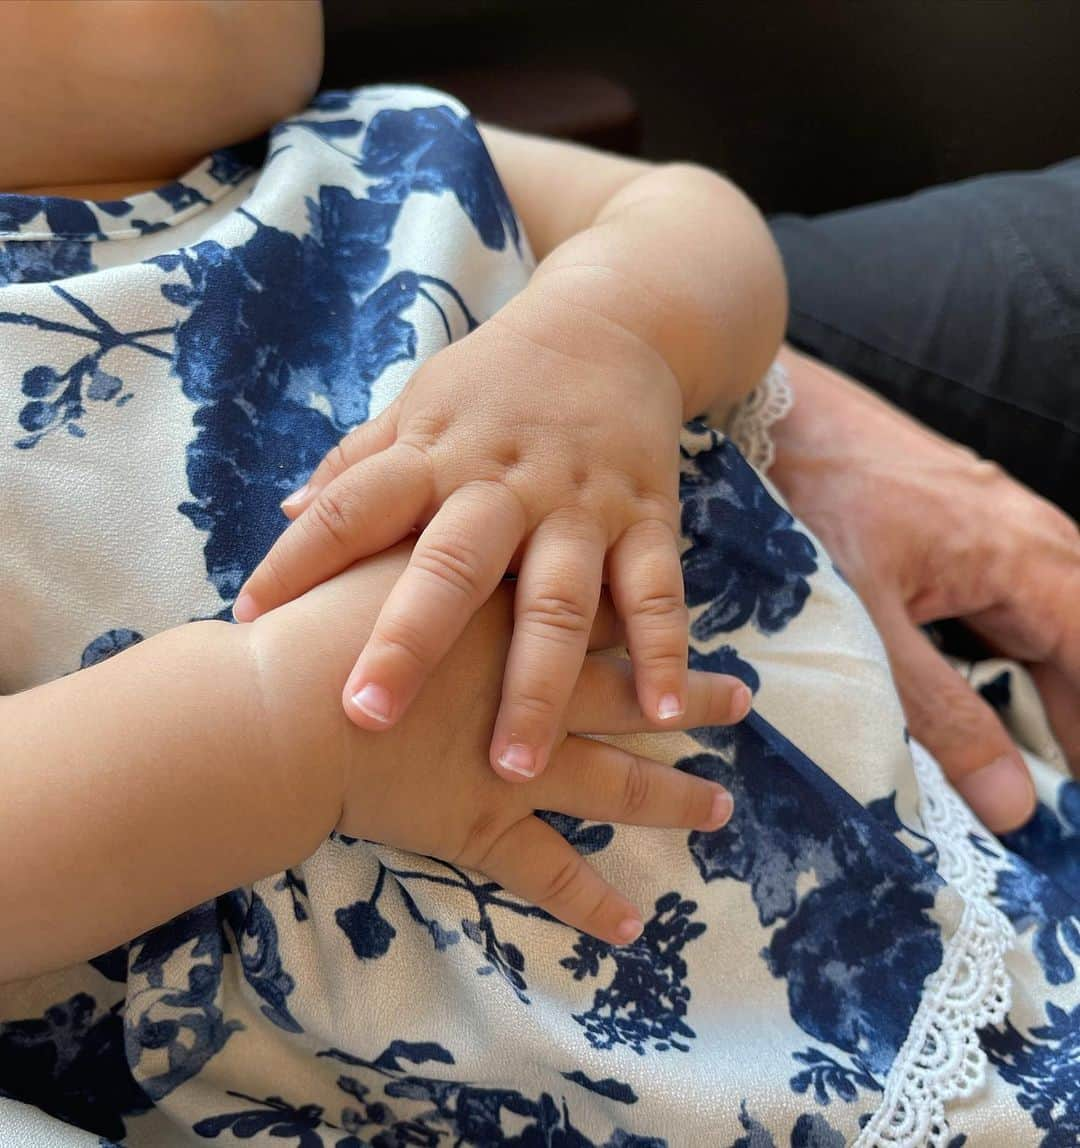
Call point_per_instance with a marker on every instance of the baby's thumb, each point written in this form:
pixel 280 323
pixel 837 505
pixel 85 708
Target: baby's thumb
pixel 957 726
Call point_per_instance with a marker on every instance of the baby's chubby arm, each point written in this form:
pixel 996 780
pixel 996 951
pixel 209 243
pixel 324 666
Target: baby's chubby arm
pixel 213 755
pixel 675 253
pixel 546 442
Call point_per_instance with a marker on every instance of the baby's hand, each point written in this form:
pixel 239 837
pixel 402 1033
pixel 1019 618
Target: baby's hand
pixel 544 442
pixel 426 786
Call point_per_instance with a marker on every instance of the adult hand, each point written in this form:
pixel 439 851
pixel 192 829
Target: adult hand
pixel 924 530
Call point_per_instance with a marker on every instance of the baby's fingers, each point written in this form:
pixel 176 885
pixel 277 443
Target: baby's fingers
pixel 361 442
pixel 605 701
pixel 647 586
pixel 555 602
pixel 533 861
pixel 369 508
pixel 601 782
pixel 455 566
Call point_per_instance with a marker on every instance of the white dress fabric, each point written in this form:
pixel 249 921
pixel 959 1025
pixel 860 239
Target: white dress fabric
pixel 852 960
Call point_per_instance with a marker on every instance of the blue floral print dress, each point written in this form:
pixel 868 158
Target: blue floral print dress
pixel 852 960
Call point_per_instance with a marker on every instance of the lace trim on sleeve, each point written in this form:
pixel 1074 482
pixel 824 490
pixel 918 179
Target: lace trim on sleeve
pixel 941 1060
pixel 751 422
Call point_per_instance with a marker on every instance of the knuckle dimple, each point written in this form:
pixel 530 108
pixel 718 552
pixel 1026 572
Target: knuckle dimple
pixel 559 886
pixel 336 461
pixel 330 516
pixel 453 562
pixel 552 611
pixel 637 789
pixel 274 570
pixel 532 703
pixel 667 608
pixel 397 638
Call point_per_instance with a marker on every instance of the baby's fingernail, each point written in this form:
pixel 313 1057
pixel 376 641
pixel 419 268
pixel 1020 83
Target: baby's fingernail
pixel 741 701
pixel 373 700
pixel 518 759
pixel 244 608
pixel 720 814
pixel 669 707
pixel 628 931
pixel 1001 793
pixel 296 497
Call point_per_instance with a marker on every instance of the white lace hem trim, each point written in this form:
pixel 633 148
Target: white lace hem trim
pixel 751 422
pixel 941 1060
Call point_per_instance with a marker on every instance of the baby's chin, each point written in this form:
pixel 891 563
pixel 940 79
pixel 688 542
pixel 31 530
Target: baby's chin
pixel 112 92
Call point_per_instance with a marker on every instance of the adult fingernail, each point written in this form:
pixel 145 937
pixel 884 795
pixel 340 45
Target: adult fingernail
pixel 628 931
pixel 741 701
pixel 720 814
pixel 244 608
pixel 373 700
pixel 296 497
pixel 1001 793
pixel 669 707
pixel 519 759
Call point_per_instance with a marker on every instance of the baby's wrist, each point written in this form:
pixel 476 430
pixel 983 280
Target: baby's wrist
pixel 300 750
pixel 600 314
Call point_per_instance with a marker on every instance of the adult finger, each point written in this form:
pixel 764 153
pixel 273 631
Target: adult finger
pixel 534 862
pixel 605 700
pixel 455 566
pixel 646 580
pixel 362 442
pixel 1061 699
pixel 367 509
pixel 555 601
pixel 957 726
pixel 601 782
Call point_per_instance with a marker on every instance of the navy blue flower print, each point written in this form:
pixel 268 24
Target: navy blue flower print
pixel 64 218
pixel 747 561
pixel 71 1063
pixel 43 261
pixel 436 150
pixel 1050 842
pixel 273 1116
pixel 826 1076
pixel 391 1106
pixel 107 645
pixel 1044 1066
pixel 810 1131
pixel 725 660
pixel 184 1017
pixel 256 935
pixel 1030 899
pixel 57 397
pixel 856 948
pixel 644 1004
pixel 369 932
pixel 290 881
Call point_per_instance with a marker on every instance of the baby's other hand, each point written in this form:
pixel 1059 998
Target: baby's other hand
pixel 426 786
pixel 546 442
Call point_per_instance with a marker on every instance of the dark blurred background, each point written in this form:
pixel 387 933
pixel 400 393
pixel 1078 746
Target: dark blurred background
pixel 810 105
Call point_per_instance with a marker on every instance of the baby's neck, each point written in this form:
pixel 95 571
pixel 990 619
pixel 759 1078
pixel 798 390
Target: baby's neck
pixel 93 191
